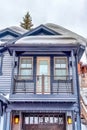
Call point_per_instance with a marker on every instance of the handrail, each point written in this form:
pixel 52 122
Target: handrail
pixel 43 84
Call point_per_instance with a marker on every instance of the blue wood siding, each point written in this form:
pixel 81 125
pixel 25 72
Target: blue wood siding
pixel 5 78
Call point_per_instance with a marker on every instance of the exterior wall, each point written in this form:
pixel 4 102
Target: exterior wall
pixel 82 71
pixel 5 78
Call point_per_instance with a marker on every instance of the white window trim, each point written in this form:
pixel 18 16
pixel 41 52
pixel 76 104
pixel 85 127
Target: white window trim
pixel 23 57
pixel 66 65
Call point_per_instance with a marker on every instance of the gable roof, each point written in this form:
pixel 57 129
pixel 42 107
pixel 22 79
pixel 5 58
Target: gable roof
pixel 8 31
pixel 55 33
pixel 52 30
pixel 39 30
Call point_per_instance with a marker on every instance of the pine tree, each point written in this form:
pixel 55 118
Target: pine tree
pixel 27 22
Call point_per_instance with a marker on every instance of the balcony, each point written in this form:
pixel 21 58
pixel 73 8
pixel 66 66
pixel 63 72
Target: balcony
pixel 43 84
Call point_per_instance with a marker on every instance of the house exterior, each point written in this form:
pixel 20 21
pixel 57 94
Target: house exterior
pixel 40 70
pixel 82 70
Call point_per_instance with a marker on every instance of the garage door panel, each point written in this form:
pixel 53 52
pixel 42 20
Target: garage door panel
pixel 44 122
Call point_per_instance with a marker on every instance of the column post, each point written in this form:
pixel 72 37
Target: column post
pixel 8 124
pixel 12 79
pixel 73 73
pixel 73 120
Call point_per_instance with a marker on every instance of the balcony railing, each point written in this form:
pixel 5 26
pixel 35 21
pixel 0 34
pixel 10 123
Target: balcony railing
pixel 43 84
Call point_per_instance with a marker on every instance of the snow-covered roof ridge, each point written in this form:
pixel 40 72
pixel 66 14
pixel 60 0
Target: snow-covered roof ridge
pixel 2 43
pixel 63 30
pixel 18 29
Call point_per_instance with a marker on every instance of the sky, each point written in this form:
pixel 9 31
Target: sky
pixel 71 14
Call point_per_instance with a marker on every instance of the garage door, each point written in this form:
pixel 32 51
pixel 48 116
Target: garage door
pixel 44 122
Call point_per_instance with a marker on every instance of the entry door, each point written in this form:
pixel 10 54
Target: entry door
pixel 43 75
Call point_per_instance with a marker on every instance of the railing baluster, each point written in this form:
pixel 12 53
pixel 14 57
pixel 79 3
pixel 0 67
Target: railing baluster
pixel 43 78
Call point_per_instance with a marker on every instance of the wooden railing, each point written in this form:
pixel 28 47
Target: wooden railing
pixel 84 111
pixel 43 84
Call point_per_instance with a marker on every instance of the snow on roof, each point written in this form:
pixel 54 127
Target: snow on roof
pixel 18 29
pixel 84 58
pixel 3 98
pixel 2 43
pixel 63 30
pixel 54 39
pixel 66 36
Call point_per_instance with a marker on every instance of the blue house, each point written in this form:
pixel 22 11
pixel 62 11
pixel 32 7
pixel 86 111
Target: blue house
pixel 40 75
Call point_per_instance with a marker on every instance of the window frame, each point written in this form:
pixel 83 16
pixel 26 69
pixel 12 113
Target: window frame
pixel 26 68
pixel 56 78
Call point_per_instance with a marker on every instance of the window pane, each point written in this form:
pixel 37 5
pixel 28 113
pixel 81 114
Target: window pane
pixel 55 119
pixel 31 120
pixel 58 72
pixel 35 120
pixel 63 72
pixel 61 120
pixel 40 120
pixel 57 61
pixel 26 72
pixel 51 119
pixel 43 67
pixel 46 119
pixel 26 120
pixel 57 65
pixel 63 65
pixel 63 61
pixel 26 63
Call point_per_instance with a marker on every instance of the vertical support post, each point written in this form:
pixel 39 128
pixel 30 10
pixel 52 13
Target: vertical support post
pixel 8 124
pixel 20 122
pixel 4 120
pixel 78 96
pixel 73 120
pixel 12 80
pixel 73 73
pixel 78 121
pixel 43 87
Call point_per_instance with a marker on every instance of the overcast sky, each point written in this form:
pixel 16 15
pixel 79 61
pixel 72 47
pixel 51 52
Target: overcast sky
pixel 71 14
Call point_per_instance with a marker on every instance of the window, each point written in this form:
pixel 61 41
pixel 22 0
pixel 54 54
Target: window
pixel 1 61
pixel 26 67
pixel 60 68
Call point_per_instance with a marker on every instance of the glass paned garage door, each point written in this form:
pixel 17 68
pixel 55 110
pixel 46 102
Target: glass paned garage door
pixel 44 122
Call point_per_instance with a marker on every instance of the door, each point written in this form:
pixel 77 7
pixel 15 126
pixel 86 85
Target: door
pixel 43 75
pixel 44 121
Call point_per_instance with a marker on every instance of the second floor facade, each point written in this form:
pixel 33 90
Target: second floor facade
pixel 41 65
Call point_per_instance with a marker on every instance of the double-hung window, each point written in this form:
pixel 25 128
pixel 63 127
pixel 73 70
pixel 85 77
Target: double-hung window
pixel 60 68
pixel 26 67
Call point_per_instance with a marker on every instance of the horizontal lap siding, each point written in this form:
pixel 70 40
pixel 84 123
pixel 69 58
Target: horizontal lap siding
pixel 5 78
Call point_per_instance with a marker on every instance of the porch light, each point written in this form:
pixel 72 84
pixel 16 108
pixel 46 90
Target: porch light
pixel 69 120
pixel 16 119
